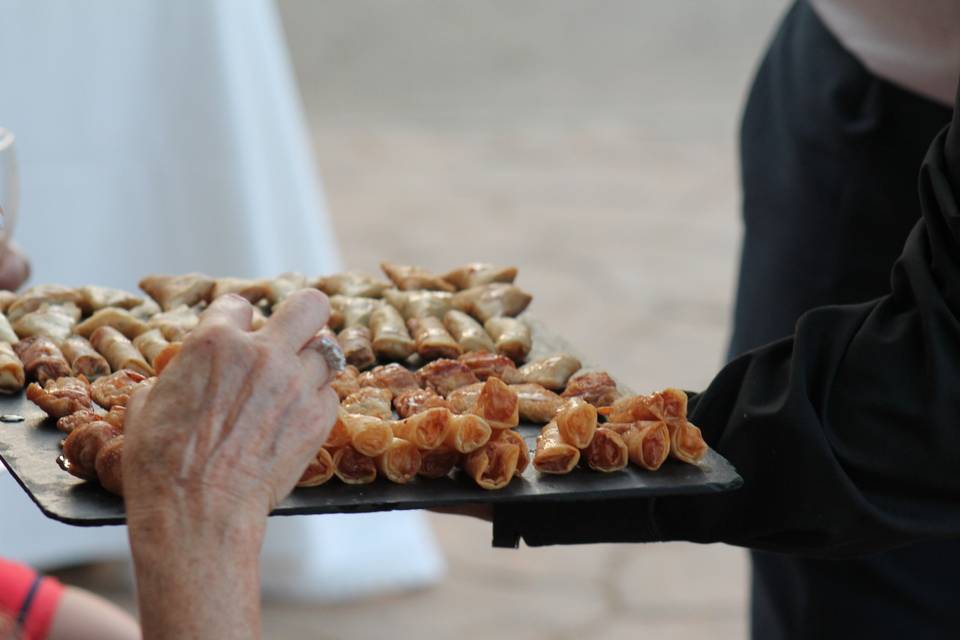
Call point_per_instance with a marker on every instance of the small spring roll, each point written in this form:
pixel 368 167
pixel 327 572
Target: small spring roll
pixel 400 462
pixel 37 296
pixel 119 351
pixel 511 336
pixel 151 344
pixel 319 471
pixel 427 430
pixel 523 451
pixel 356 346
pixel 116 388
pixel 146 310
pixel 498 404
pixel 368 435
pixel 369 401
pixel 393 376
pixel 475 274
pixel 84 359
pixel 493 465
pixel 469 334
pixel 355 311
pixel 607 451
pixel 432 339
pixel 94 298
pixel 553 455
pixel 408 277
pixel 61 397
pixel 687 443
pixel 175 323
pixel 551 373
pixel 596 387
pixel 576 421
pixel 7 334
pixel 81 447
pixel 253 290
pixel 414 401
pixel 108 465
pixel 492 300
pixel 467 433
pixel 77 419
pixel 117 416
pixel 283 285
pixel 464 399
pixel 42 359
pixel 55 321
pixel 391 339
pixel 351 283
pixel 352 467
pixel 12 375
pixel 345 382
pixel 120 319
pixel 667 405
pixel 648 442
pixel 172 291
pixel 339 435
pixel 419 304
pixel 165 356
pixel 485 365
pixel 439 462
pixel 445 375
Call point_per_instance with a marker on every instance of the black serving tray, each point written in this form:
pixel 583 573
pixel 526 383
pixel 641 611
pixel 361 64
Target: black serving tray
pixel 29 449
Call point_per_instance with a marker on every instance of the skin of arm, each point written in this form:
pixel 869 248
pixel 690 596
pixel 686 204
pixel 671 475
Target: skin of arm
pixel 210 449
pixel 82 615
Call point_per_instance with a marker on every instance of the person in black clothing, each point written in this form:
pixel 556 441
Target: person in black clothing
pixel 841 409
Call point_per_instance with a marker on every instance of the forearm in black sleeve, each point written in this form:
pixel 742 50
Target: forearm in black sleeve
pixel 847 434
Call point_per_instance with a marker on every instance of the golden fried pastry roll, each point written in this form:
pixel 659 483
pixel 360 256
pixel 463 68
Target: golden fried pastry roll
pixel 355 311
pixel 400 462
pixel 463 400
pixel 79 418
pixel 537 404
pixel 468 333
pixel 94 298
pixel 577 422
pixel 596 387
pixel 117 416
pixel 12 375
pixel 345 382
pixel 55 321
pixel 7 334
pixel 409 278
pixel 391 339
pixel 172 291
pixel 339 435
pixel 42 359
pixel 445 375
pixel 551 373
pixel 553 455
pixel 427 429
pixel 475 274
pixel 176 323
pixel 43 294
pixel 485 365
pixel 356 346
pixel 369 401
pixel 146 310
pixel 351 283
pixel 493 465
pixel 253 290
pixel 165 356
pixel 283 285
pixel 108 465
pixel 7 298
pixel 84 359
pixel 492 300
pixel 648 441
pixel 120 319
pixel 686 442
pixel 432 339
pixel 319 471
pixel 81 447
pixel 116 388
pixel 368 435
pixel 511 336
pixel 392 376
pixel 498 404
pixel 119 351
pixel 439 462
pixel 413 401
pixel 419 304
pixel 467 433
pixel 607 451
pixel 61 397
pixel 151 344
pixel 352 467
pixel 523 454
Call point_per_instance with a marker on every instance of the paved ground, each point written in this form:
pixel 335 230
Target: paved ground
pixel 591 144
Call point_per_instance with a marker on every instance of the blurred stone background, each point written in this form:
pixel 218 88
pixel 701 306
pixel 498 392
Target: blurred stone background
pixel 593 144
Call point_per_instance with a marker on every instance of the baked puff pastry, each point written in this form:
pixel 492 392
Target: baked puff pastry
pixel 390 338
pixel 523 452
pixel 351 283
pixel 55 321
pixel 576 422
pixel 607 451
pixel 283 285
pixel 253 290
pixel 485 365
pixel 438 463
pixel 369 401
pixel 35 297
pixel 553 455
pixel 319 471
pixel 7 334
pixel 116 388
pixel 346 382
pixel 357 348
pixel 512 337
pixel 551 373
pixel 7 298
pixel 413 401
pixel 175 324
pixel 108 465
pixel 119 351
pixel 595 387
pixel 419 304
pixel 493 465
pixel 469 334
pixel 61 397
pixel 12 374
pixel 411 278
pixel 648 442
pixel 394 377
pixel 498 404
pixel 81 447
pixel 492 300
pixel 93 298
pixel 368 435
pixel 354 311
pixel 42 359
pixel 536 403
pixel 467 433
pixel 120 319
pixel 445 375
pixel 84 359
pixel 172 291
pixel 475 274
pixel 427 430
pixel 353 467
pixel 432 339
pixel 400 462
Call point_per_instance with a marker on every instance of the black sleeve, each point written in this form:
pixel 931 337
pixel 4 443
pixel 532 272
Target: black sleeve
pixel 847 434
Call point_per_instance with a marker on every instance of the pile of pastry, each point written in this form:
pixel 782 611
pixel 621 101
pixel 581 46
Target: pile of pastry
pixel 437 379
